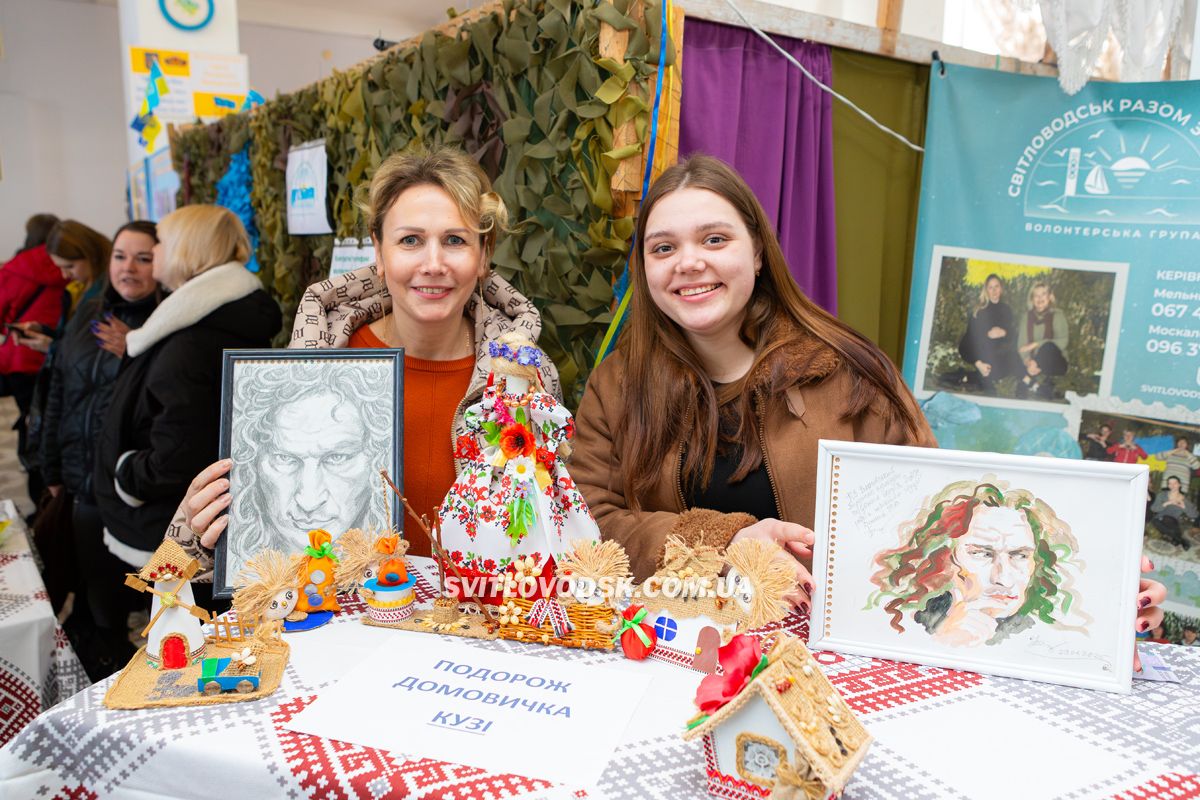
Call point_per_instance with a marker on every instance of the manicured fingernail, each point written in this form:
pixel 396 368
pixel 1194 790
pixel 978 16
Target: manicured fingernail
pixel 1143 601
pixel 1151 563
pixel 808 587
pixel 1144 626
pixel 804 606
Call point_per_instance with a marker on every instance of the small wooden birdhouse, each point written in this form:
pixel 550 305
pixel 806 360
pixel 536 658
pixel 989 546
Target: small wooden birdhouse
pixel 774 726
pixel 175 635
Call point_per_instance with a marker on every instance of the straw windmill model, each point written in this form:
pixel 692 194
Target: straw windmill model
pixel 691 618
pixel 175 634
pixel 774 726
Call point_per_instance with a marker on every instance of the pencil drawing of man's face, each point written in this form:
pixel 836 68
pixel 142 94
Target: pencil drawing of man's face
pixel 995 557
pixel 315 471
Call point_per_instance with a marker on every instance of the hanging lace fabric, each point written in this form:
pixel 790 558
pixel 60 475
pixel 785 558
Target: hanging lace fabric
pixel 1145 29
pixel 1078 29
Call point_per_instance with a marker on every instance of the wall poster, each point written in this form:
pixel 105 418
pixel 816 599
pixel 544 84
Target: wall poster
pixel 1055 305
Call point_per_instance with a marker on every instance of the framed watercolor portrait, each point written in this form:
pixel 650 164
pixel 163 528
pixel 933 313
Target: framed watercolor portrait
pixel 1020 566
pixel 308 432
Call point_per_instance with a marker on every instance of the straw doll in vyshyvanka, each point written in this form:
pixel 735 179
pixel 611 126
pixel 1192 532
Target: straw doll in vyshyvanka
pixel 514 507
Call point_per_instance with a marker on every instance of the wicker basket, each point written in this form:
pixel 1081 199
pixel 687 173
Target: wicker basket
pixel 584 620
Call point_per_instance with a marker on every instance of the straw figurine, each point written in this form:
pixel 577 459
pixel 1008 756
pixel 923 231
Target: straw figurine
pixel 268 587
pixel 693 612
pixel 758 580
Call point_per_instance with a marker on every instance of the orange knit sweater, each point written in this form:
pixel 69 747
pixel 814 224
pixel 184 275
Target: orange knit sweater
pixel 432 392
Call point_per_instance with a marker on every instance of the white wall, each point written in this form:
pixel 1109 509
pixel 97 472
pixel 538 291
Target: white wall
pixel 62 140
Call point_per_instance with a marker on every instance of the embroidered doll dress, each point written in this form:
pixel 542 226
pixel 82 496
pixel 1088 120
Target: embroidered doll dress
pixel 513 509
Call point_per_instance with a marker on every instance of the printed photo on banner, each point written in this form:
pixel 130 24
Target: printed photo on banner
pixel 1012 565
pixel 308 433
pixel 1020 328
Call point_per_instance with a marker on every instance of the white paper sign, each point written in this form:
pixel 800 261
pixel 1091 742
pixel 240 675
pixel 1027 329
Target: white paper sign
pixel 423 696
pixel 306 177
pixel 349 255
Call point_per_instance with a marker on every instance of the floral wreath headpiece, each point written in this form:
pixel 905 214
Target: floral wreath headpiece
pixel 526 355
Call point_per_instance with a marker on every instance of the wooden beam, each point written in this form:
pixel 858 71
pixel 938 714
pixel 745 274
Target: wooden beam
pixel 772 19
pixel 888 13
pixel 887 18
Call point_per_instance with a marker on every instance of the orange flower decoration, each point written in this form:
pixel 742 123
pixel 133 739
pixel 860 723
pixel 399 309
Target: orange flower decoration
pixel 516 440
pixel 387 544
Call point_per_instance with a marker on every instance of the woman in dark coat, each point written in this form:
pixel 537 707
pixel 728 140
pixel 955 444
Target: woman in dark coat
pixel 990 343
pixel 163 424
pixel 85 369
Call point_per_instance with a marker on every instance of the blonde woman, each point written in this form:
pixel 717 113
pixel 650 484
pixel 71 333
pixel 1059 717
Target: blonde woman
pixel 162 425
pixel 990 343
pixel 434 221
pixel 1042 338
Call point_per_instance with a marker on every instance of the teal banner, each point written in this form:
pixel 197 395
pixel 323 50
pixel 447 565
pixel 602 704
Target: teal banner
pixel 1055 305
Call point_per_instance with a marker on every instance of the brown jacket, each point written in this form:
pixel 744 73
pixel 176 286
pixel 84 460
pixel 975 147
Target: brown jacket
pixel 812 411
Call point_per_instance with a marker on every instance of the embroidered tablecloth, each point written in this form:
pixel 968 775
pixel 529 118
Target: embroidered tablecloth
pixel 1069 743
pixel 38 668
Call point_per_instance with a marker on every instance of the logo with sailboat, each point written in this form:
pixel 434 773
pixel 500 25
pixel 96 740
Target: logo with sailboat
pixel 1120 170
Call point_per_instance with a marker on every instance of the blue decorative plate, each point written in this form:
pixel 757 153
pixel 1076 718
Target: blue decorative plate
pixel 315 619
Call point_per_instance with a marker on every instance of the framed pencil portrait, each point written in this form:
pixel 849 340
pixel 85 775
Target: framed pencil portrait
pixel 1020 566
pixel 308 432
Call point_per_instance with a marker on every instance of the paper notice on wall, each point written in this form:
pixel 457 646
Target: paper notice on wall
pixel 203 85
pixel 349 255
pixel 219 84
pixel 307 173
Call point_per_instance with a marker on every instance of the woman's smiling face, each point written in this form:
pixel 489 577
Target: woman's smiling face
pixel 700 261
pixel 430 256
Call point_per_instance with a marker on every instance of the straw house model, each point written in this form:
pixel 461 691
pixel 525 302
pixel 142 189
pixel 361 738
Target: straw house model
pixel 786 734
pixel 693 614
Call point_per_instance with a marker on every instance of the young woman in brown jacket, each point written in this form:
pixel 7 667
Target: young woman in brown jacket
pixel 704 422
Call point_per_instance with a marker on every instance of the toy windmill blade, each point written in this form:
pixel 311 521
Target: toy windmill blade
pixel 134 582
pixel 154 619
pixel 199 613
pixel 191 569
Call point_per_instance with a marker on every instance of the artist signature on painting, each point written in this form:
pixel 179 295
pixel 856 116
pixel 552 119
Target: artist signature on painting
pixel 1061 651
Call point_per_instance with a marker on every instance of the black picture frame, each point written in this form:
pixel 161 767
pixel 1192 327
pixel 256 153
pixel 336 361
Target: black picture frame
pixel 227 551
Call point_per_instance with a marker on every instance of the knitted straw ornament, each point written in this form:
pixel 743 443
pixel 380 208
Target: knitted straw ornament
pixel 604 562
pixel 355 550
pixel 771 577
pixel 703 560
pixel 265 575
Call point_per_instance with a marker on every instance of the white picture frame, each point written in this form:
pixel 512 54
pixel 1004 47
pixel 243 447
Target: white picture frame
pixel 1028 566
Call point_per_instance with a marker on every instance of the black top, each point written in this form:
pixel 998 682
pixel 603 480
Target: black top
pixel 752 495
pixel 80 389
pixel 975 344
pixel 166 408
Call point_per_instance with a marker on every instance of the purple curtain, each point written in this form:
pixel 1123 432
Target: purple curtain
pixel 745 104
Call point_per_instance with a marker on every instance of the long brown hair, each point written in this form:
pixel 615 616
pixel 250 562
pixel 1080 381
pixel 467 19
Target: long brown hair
pixel 665 377
pixel 75 241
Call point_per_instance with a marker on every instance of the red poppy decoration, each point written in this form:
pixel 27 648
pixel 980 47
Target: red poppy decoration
pixel 741 660
pixel 516 440
pixel 636 637
pixel 546 458
pixel 466 448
